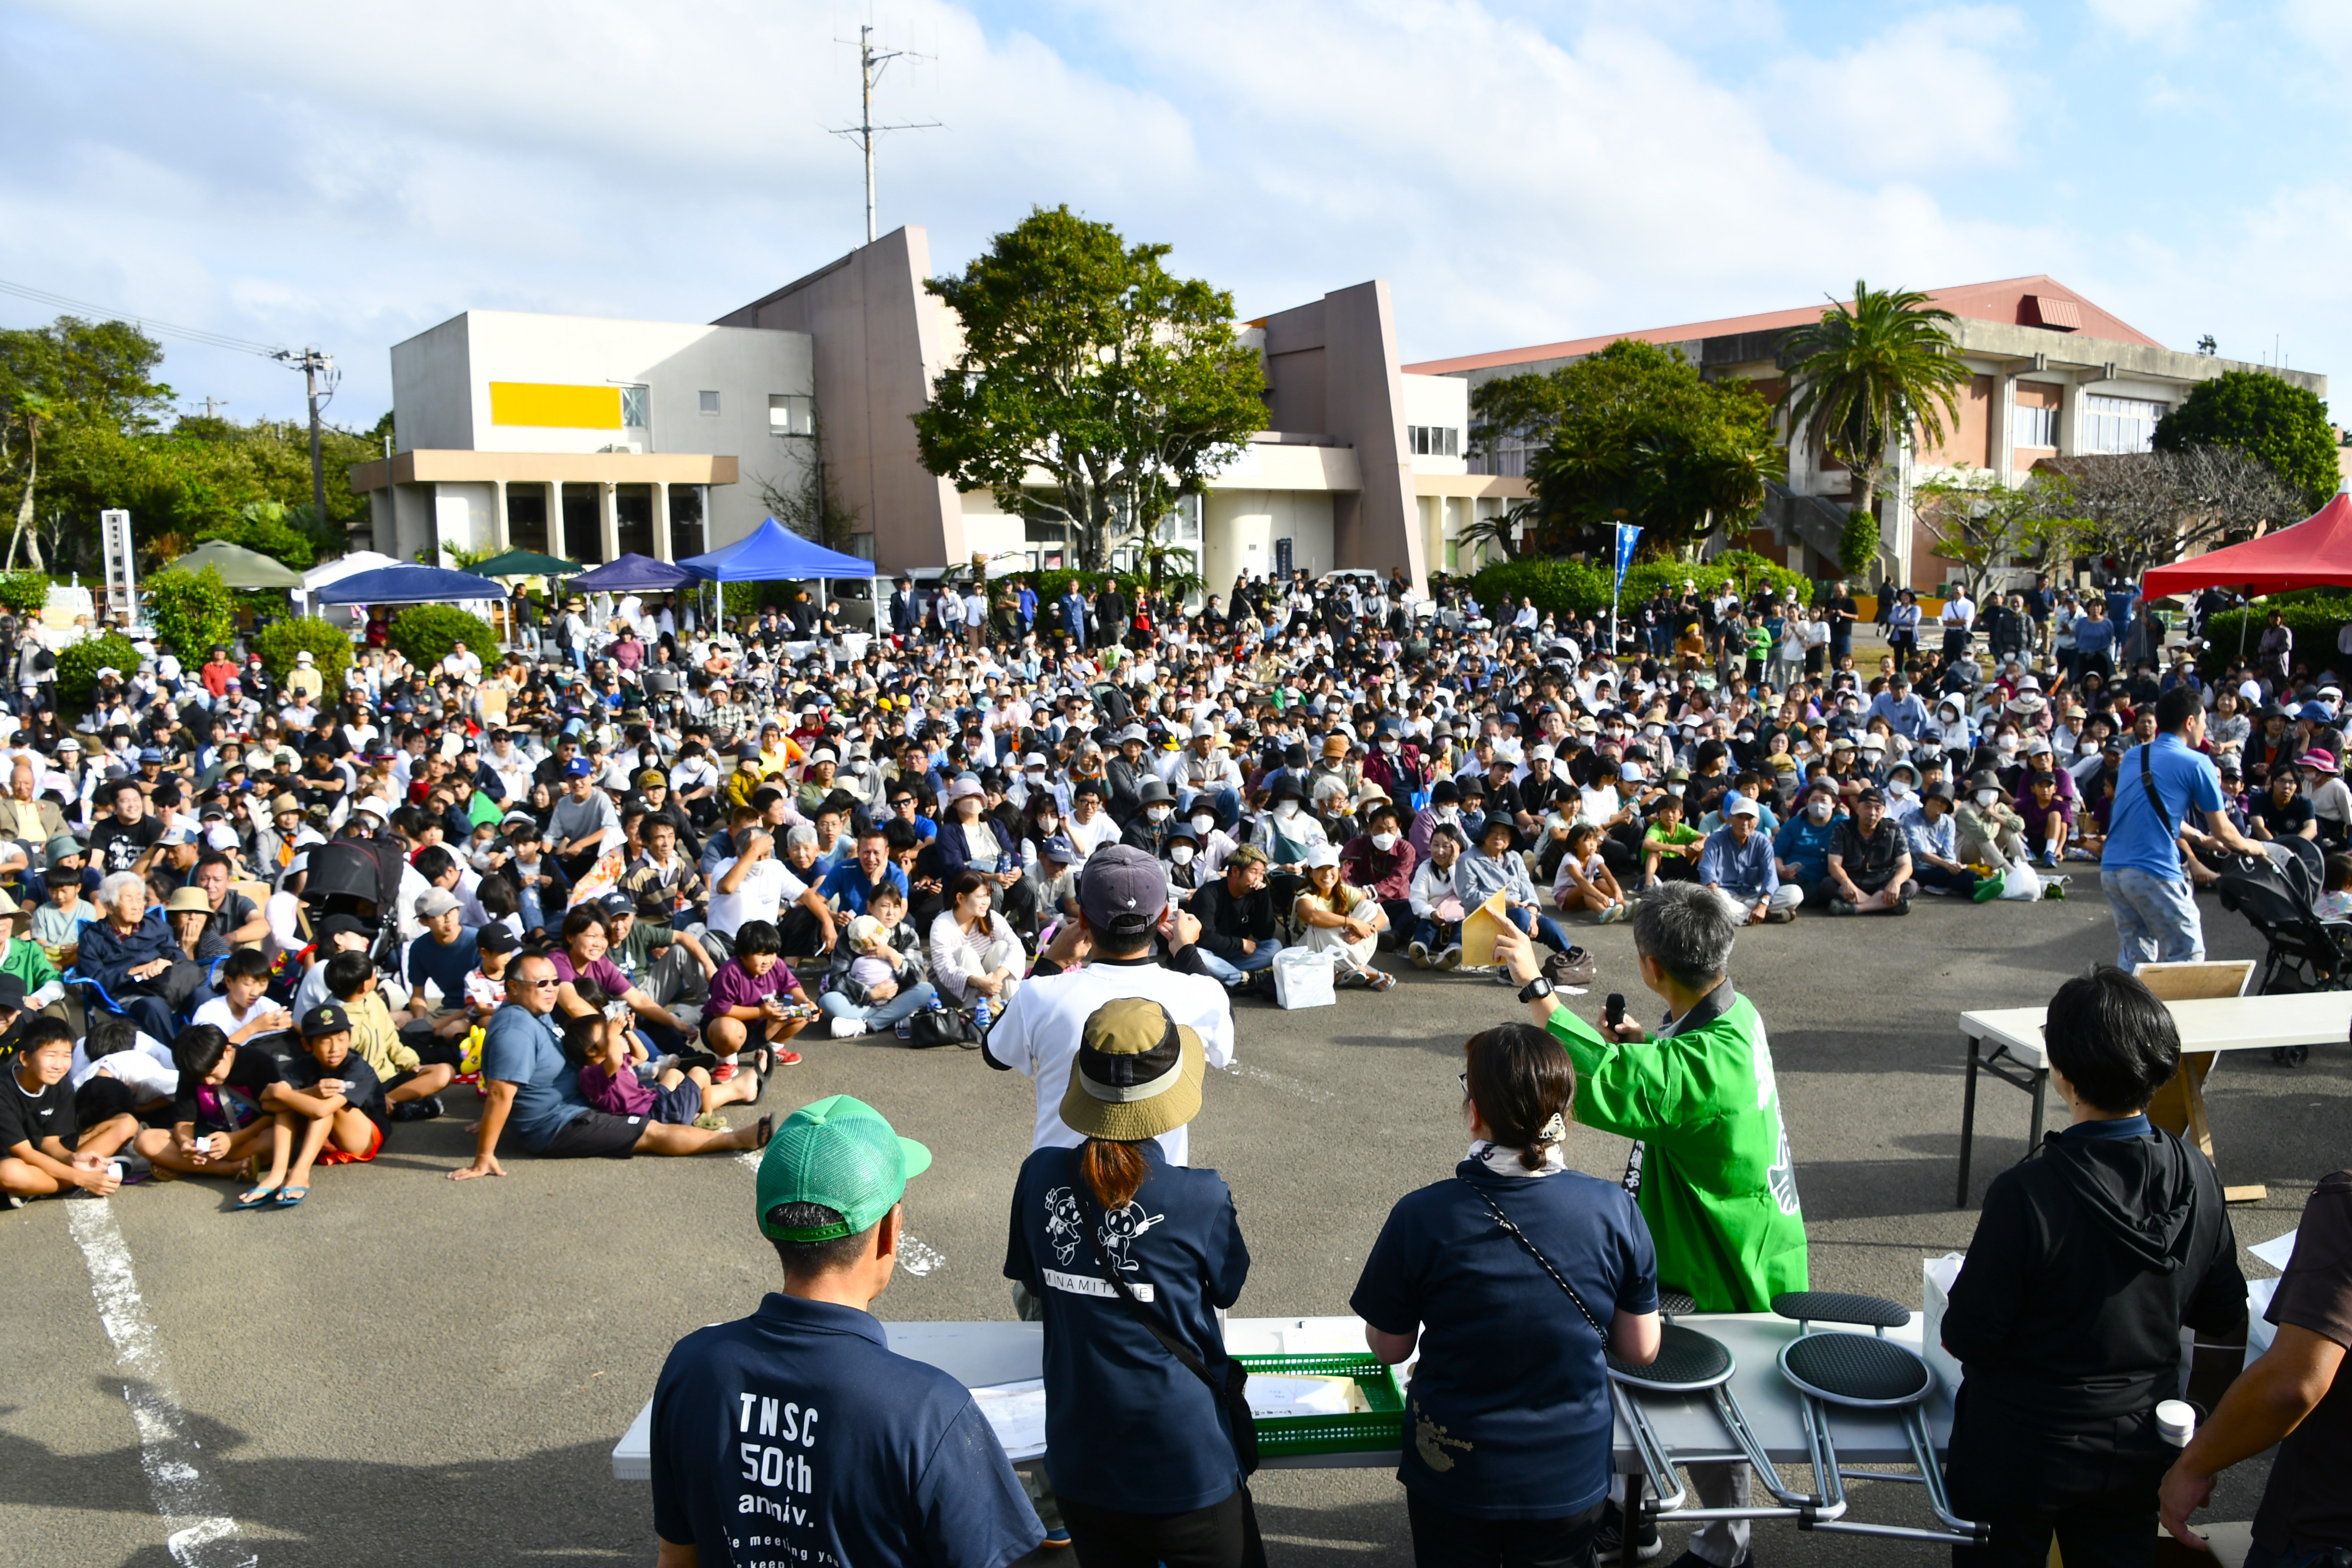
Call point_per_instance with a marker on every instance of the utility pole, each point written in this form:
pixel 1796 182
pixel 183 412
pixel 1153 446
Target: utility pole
pixel 871 62
pixel 313 366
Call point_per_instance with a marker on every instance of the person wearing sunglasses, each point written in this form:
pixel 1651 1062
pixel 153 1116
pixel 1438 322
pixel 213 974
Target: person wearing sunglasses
pixel 532 1085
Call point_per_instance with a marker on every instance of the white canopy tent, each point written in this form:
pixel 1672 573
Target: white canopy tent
pixel 335 571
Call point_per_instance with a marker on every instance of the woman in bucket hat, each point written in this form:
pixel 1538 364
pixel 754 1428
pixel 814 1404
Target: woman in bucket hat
pixel 1131 1258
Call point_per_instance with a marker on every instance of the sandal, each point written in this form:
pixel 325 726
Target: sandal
pixel 759 1088
pixel 766 1129
pixel 255 1198
pixel 288 1196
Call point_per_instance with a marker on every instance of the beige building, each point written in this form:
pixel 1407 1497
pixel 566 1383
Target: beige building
pixel 586 437
pixel 2052 374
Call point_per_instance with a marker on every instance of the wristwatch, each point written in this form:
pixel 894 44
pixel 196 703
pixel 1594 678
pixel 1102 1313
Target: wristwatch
pixel 1534 990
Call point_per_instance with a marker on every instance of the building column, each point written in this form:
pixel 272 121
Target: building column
pixel 608 519
pixel 2005 440
pixel 498 517
pixel 661 520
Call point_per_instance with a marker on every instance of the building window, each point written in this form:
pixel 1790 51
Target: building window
pixel 708 400
pixel 635 403
pixel 789 415
pixel 2118 425
pixel 1433 440
pixel 2034 426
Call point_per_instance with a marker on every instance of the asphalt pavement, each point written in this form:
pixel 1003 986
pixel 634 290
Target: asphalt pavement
pixel 405 1370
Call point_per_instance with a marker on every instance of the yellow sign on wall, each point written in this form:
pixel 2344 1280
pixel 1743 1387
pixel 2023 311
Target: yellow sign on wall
pixel 564 407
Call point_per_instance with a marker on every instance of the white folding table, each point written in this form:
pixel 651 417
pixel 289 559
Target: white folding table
pixel 2006 1043
pixel 982 1355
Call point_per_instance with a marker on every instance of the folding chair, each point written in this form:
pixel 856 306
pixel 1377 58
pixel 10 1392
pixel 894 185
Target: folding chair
pixel 1689 1362
pixel 1859 1372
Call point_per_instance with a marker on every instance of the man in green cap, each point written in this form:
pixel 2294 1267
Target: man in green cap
pixel 795 1434
pixel 1711 1169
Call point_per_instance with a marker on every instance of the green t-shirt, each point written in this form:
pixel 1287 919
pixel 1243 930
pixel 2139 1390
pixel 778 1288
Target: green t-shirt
pixel 1759 642
pixel 1663 837
pixel 1717 1182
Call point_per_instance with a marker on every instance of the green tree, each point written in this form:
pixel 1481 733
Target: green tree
pixel 279 642
pixel 2283 424
pixel 1870 373
pixel 192 611
pixel 426 632
pixel 52 378
pixel 1633 434
pixel 1084 358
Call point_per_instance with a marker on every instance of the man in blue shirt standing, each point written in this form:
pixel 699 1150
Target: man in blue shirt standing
pixel 796 1436
pixel 2161 784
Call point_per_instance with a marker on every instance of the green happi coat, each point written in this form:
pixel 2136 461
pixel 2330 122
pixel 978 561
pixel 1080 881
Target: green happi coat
pixel 1716 1184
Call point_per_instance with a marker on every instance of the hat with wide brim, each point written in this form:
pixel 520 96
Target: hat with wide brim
pixel 1137 1075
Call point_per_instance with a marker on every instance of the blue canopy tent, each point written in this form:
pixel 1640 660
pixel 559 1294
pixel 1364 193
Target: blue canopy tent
pixel 406 584
pixel 632 574
pixel 772 553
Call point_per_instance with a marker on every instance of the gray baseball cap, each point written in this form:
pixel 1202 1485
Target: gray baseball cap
pixel 1121 890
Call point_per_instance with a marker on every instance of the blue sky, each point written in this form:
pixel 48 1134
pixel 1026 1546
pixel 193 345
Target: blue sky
pixel 1519 173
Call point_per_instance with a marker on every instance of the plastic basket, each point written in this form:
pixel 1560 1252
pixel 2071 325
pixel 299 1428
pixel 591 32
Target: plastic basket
pixel 1358 1432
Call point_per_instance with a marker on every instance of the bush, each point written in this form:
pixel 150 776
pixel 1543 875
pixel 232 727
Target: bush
pixel 1565 587
pixel 425 633
pixel 192 611
pixel 2314 616
pixel 329 647
pixel 1858 545
pixel 25 592
pixel 79 664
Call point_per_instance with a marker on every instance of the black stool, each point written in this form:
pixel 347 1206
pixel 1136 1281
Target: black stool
pixel 1861 1372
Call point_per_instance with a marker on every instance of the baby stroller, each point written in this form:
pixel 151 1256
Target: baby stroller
pixel 2278 895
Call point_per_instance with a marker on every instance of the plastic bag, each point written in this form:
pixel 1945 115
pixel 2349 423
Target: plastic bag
pixel 1934 1294
pixel 1303 979
pixel 2019 883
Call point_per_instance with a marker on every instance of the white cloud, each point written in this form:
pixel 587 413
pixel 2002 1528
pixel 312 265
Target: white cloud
pixel 1931 95
pixel 2146 18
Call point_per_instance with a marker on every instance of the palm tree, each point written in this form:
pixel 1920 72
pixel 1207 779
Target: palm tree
pixel 1868 374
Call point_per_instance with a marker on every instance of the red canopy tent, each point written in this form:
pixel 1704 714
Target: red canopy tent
pixel 2313 554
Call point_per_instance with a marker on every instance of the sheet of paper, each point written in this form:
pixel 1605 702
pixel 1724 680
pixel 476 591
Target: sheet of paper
pixel 2276 1250
pixel 1274 1395
pixel 1016 1412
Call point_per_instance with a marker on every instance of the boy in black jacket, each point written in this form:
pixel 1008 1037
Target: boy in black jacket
pixel 2088 1259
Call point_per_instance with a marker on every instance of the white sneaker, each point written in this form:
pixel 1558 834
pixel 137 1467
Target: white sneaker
pixel 1418 953
pixel 848 1028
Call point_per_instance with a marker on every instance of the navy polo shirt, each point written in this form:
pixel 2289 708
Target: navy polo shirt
pixel 795 1437
pixel 1508 1416
pixel 1127 1425
pixel 445 966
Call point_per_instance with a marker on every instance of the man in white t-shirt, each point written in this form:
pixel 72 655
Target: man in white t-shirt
pixel 756 885
pixel 1122 894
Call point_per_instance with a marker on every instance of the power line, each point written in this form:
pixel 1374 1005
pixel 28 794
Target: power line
pixel 84 307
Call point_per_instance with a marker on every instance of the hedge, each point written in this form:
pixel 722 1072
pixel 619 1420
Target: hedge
pixel 26 592
pixel 79 664
pixel 2315 617
pixel 330 648
pixel 426 632
pixel 1566 586
pixel 193 612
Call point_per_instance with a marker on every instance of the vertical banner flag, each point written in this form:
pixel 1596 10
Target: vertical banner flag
pixel 1628 535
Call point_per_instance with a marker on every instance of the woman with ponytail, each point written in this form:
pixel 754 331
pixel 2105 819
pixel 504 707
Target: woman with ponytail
pixel 1148 1440
pixel 1513 1276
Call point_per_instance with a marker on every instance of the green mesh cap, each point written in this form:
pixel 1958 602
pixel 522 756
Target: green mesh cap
pixel 838 1153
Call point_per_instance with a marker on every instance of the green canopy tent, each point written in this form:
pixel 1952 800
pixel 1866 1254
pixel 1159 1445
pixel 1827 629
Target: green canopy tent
pixel 524 564
pixel 239 567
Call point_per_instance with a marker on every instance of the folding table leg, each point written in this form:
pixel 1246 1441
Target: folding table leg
pixel 1967 1122
pixel 2040 1096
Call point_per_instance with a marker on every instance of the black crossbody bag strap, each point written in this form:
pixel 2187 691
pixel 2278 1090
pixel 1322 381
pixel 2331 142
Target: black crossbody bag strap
pixel 2147 782
pixel 1535 1252
pixel 1228 1390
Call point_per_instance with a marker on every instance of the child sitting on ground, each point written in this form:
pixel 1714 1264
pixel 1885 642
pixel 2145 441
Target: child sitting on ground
pixel 412 1086
pixel 44 1148
pixel 615 1078
pixel 57 924
pixel 1585 881
pixel 1435 895
pixel 244 1011
pixel 875 979
pixel 117 1068
pixel 231 1106
pixel 486 986
pixel 336 1097
pixel 756 1002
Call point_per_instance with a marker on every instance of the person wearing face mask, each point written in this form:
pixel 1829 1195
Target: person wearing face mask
pixel 1379 861
pixel 1801 848
pixel 1902 791
pixel 1180 853
pixel 1395 763
pixel 1148 829
pixel 1991 831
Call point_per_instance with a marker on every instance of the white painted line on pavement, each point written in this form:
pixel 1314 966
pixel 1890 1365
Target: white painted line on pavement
pixel 202 1535
pixel 1291 1086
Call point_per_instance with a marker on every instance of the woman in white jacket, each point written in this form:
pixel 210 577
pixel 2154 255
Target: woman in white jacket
pixel 975 955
